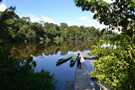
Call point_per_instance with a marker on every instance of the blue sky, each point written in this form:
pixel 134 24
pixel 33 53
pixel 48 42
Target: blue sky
pixel 53 11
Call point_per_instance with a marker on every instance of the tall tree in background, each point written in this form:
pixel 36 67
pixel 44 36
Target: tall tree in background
pixel 115 65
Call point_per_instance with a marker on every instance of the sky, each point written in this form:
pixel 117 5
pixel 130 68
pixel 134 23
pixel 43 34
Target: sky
pixel 52 11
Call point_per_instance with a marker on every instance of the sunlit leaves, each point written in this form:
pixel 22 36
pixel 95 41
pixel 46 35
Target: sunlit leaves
pixel 133 1
pixel 116 64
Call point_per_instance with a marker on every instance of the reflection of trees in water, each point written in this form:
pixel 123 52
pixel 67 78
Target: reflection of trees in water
pixel 22 50
pixel 63 52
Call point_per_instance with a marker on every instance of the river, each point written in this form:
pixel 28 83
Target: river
pixel 46 55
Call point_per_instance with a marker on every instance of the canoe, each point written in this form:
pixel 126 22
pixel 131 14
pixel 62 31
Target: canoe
pixel 73 60
pixel 60 61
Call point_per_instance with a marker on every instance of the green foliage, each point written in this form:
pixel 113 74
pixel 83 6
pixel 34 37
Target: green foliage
pixel 19 75
pixel 63 25
pixel 115 65
pixel 116 14
pixel 133 1
pixel 16 29
pixel 6 21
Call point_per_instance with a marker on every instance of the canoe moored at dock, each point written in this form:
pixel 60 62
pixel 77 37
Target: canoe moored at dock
pixel 73 60
pixel 62 60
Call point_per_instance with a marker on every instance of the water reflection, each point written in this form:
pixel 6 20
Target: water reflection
pixel 62 73
pixel 46 55
pixel 23 50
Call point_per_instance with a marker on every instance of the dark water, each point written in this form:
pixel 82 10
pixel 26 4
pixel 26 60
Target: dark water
pixel 46 55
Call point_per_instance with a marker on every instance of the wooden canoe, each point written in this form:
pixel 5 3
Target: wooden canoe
pixel 73 60
pixel 62 60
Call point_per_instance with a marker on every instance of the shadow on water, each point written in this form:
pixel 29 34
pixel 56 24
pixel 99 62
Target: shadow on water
pixel 52 52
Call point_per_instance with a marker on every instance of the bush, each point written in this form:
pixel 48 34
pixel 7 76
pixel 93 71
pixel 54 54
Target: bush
pixel 19 75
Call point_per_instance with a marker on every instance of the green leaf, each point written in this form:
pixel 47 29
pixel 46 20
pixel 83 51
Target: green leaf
pixel 133 1
pixel 130 5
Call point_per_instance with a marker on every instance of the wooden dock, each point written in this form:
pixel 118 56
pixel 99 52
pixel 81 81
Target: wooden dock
pixel 89 57
pixel 69 85
pixel 82 78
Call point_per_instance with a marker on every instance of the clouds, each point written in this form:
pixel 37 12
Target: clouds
pixel 83 18
pixel 85 21
pixel 47 19
pixel 3 7
pixel 97 25
pixel 34 18
pixel 69 23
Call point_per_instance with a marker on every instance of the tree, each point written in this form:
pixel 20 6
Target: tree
pixel 20 75
pixel 63 25
pixel 116 15
pixel 115 65
pixel 6 21
pixel 16 29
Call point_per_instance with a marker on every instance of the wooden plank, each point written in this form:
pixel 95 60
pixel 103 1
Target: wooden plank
pixel 69 85
pixel 102 86
pixel 82 78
